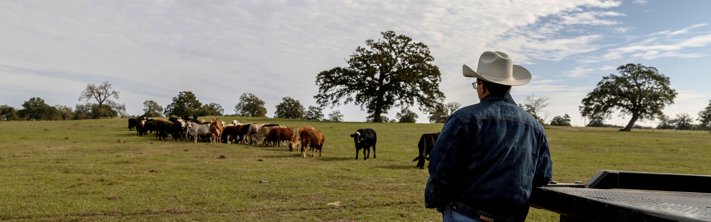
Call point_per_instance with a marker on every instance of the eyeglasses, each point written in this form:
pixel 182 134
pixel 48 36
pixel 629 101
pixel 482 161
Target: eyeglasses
pixel 474 84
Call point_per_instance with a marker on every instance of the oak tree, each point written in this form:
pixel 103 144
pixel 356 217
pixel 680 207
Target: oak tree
pixel 250 105
pixel 185 104
pixel 102 94
pixel 289 108
pixel 640 91
pixel 152 109
pixel 705 117
pixel 388 72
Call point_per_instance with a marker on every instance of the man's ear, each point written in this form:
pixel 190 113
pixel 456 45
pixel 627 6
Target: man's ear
pixel 484 90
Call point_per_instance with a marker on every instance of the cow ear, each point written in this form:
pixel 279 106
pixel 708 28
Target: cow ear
pixel 353 135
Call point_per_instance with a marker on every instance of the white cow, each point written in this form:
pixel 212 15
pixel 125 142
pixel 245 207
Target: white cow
pixel 196 130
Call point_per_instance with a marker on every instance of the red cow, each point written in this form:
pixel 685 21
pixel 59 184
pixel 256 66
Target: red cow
pixel 312 138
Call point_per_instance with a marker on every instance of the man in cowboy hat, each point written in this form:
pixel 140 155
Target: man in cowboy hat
pixel 489 155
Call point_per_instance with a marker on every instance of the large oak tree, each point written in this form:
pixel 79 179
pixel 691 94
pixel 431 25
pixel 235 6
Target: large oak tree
pixel 388 72
pixel 640 91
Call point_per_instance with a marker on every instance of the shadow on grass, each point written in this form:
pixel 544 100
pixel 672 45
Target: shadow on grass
pixel 331 158
pixel 399 167
pixel 285 155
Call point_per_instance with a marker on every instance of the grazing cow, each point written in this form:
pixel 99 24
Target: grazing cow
pixel 252 133
pixel 242 133
pixel 147 126
pixel 216 127
pixel 263 132
pixel 162 128
pixel 296 139
pixel 424 147
pixel 230 134
pixel 278 134
pixel 132 122
pixel 312 138
pixel 364 139
pixel 196 130
pixel 177 130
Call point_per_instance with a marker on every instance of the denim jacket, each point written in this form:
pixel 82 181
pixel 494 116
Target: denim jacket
pixel 487 159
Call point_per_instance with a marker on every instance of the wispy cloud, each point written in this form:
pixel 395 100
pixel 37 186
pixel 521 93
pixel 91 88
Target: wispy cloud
pixel 582 71
pixel 591 18
pixel 561 35
pixel 670 43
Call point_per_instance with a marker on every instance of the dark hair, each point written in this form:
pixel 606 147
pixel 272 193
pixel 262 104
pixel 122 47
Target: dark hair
pixel 495 89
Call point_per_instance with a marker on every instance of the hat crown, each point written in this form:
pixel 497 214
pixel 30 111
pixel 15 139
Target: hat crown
pixel 497 67
pixel 496 64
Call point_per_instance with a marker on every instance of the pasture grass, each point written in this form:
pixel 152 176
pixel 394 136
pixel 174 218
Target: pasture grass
pixel 92 170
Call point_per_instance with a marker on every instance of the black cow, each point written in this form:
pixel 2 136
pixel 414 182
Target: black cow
pixel 364 139
pixel 424 147
pixel 132 122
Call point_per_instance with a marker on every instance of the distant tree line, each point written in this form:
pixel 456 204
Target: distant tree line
pixel 37 109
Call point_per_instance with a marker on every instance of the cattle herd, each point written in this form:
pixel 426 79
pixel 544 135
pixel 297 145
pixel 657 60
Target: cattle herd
pixel 265 134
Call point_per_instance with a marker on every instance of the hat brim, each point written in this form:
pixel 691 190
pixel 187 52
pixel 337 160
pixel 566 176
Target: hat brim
pixel 521 76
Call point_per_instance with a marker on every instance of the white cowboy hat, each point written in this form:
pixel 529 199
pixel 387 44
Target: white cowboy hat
pixel 497 67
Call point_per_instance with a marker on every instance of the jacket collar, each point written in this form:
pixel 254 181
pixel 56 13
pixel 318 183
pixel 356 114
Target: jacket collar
pixel 506 97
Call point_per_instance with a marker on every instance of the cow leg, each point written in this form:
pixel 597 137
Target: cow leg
pixel 366 153
pixel 357 150
pixel 421 162
pixel 373 151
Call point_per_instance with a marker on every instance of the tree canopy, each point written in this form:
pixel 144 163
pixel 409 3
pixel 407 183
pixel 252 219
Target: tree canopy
pixel 392 71
pixel 441 112
pixel 535 106
pixel 102 94
pixel 683 121
pixel 639 91
pixel 152 109
pixel 185 104
pixel 705 117
pixel 406 116
pixel 335 116
pixel 250 105
pixel 8 113
pixel 314 113
pixel 36 109
pixel 211 109
pixel 561 120
pixel 289 108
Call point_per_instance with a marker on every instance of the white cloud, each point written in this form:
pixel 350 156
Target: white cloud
pixel 672 33
pixel 582 71
pixel 591 18
pixel 679 43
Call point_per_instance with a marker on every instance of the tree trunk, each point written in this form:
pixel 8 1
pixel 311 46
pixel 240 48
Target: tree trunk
pixel 631 123
pixel 376 116
pixel 379 101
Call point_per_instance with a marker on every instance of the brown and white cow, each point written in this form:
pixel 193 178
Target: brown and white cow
pixel 312 138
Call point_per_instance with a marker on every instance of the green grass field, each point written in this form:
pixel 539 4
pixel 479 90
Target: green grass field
pixel 97 170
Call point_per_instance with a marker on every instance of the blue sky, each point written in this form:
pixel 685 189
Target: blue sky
pixel 151 50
